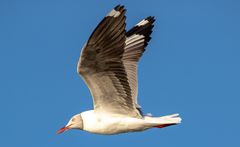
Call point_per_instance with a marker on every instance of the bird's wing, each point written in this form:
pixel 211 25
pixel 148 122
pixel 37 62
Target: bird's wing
pixel 136 42
pixel 102 67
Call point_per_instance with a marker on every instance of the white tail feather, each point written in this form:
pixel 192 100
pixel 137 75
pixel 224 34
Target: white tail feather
pixel 168 119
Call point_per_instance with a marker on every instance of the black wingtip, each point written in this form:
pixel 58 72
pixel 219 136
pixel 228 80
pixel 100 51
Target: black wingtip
pixel 143 29
pixel 119 7
pixel 150 19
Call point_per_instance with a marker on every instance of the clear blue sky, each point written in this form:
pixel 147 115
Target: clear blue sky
pixel 191 66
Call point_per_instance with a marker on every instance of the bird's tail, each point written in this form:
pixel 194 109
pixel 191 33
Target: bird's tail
pixel 164 121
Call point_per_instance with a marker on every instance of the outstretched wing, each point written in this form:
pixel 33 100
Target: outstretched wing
pixel 102 68
pixel 108 63
pixel 136 42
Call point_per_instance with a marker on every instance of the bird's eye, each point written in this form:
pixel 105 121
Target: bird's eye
pixel 73 119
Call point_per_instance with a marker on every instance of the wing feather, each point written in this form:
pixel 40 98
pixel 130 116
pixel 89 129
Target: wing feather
pixel 136 42
pixel 102 68
pixel 108 63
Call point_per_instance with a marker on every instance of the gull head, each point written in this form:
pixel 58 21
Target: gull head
pixel 75 122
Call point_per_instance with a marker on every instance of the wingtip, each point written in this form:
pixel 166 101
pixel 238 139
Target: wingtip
pixel 119 7
pixel 117 11
pixel 150 19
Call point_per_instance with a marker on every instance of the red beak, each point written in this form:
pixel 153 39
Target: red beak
pixel 63 129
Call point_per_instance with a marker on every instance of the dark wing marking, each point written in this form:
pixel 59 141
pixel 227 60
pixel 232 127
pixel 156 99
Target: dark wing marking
pixel 102 68
pixel 136 42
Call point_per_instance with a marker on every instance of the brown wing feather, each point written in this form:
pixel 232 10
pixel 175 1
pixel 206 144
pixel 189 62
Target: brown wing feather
pixel 136 42
pixel 102 68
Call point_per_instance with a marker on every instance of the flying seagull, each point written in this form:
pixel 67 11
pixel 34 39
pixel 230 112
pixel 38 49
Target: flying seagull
pixel 108 65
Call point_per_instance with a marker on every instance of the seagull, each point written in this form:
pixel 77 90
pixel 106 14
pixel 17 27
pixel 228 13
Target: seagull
pixel 108 65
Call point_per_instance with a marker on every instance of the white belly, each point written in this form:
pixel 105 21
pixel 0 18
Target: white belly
pixel 109 124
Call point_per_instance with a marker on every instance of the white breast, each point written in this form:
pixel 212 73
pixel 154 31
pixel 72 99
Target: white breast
pixel 108 124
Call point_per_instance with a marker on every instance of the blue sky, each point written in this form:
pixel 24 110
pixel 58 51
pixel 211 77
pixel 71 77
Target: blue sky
pixel 191 66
